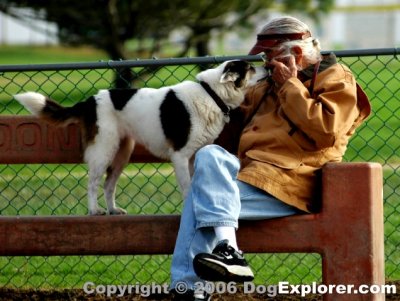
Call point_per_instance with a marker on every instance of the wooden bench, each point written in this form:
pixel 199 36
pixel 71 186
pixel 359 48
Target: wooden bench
pixel 348 232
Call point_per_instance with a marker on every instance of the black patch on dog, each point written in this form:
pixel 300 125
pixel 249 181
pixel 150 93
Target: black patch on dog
pixel 239 67
pixel 83 112
pixel 56 112
pixel 88 112
pixel 120 97
pixel 175 120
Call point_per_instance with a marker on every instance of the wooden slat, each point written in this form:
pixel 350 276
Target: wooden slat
pixel 27 140
pixel 87 235
pixel 136 234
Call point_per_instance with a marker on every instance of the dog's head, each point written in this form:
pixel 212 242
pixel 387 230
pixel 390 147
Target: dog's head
pixel 237 72
pixel 231 79
pixel 241 73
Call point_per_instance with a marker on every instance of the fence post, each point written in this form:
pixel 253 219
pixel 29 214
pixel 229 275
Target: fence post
pixel 356 255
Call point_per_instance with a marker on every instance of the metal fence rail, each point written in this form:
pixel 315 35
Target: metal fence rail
pixel 39 189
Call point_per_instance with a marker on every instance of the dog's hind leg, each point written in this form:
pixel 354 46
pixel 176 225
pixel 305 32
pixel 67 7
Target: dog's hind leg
pixel 114 171
pixel 99 156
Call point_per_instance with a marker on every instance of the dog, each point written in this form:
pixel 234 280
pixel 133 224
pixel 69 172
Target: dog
pixel 172 122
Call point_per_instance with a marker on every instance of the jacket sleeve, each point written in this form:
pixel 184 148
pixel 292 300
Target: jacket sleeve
pixel 330 114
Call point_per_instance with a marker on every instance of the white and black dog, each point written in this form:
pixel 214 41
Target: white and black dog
pixel 171 122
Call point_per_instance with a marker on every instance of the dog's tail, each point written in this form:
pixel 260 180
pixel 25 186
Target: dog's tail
pixel 46 108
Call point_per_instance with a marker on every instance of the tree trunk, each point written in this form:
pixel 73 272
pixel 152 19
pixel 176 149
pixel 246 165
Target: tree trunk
pixel 202 50
pixel 115 46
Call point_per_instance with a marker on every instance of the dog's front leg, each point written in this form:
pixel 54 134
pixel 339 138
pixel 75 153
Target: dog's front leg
pixel 109 190
pixel 181 166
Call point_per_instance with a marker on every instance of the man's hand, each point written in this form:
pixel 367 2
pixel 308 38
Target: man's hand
pixel 283 70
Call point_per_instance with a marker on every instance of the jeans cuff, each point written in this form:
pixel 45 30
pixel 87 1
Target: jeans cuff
pixel 234 224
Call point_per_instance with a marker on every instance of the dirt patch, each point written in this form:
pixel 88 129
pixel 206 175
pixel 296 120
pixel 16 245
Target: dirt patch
pixel 9 294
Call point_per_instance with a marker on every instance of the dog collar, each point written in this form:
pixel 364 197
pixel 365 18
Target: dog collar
pixel 224 108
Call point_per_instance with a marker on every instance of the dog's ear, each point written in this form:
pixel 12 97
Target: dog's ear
pixel 229 76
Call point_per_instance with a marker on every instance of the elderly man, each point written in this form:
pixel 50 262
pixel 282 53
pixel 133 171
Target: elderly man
pixel 292 123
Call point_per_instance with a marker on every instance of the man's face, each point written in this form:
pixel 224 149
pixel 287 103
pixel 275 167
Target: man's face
pixel 278 53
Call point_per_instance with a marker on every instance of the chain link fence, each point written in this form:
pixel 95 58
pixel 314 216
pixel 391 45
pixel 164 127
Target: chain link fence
pixel 52 189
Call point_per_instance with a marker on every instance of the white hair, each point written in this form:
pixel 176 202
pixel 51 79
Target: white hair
pixel 311 46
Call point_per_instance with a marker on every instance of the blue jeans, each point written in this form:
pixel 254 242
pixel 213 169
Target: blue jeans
pixel 216 198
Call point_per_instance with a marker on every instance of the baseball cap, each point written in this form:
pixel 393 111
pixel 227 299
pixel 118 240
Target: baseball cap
pixel 265 41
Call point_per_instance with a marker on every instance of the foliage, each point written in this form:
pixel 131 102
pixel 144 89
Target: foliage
pixel 110 24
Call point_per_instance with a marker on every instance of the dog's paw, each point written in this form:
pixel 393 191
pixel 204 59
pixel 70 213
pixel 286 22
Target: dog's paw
pixel 117 211
pixel 97 211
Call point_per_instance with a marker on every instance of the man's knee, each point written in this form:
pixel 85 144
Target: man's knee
pixel 214 156
pixel 210 150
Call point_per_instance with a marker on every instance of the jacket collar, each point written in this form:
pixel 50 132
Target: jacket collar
pixel 326 62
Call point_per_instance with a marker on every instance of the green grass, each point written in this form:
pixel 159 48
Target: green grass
pixel 10 55
pixel 151 188
pixel 52 189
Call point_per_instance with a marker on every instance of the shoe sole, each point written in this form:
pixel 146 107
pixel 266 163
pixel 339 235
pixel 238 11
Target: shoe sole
pixel 214 270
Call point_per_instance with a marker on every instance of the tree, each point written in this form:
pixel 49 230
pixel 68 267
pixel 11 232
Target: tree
pixel 111 24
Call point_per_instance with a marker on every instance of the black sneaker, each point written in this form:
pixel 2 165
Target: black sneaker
pixel 189 296
pixel 223 264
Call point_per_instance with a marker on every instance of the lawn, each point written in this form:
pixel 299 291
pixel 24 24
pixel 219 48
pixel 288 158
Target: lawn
pixel 11 55
pixel 151 188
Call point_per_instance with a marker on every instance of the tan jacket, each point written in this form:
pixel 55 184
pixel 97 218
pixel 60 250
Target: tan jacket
pixel 292 135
